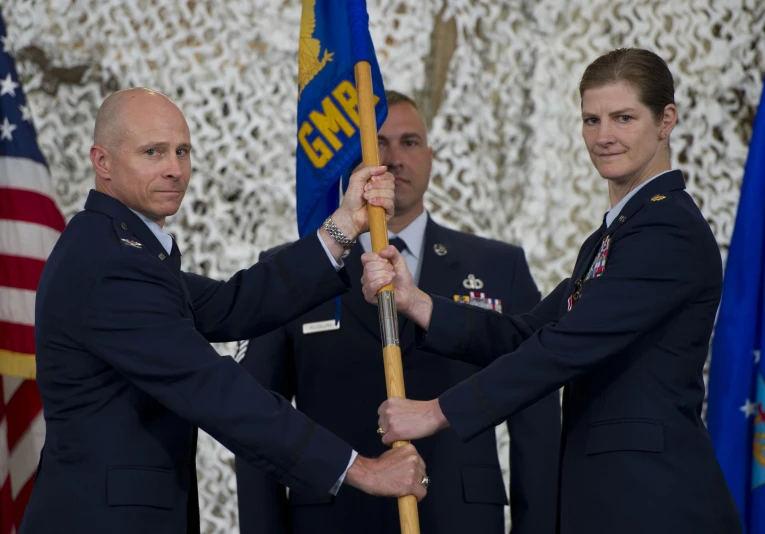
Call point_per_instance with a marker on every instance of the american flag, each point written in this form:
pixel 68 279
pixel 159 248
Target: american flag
pixel 30 224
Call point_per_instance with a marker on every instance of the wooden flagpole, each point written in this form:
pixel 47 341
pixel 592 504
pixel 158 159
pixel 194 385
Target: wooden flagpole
pixel 394 370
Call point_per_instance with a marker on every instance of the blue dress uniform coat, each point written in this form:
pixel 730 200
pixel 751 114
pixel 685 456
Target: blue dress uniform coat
pixel 636 457
pixel 126 374
pixel 337 378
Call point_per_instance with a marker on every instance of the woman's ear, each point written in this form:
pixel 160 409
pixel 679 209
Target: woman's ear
pixel 668 120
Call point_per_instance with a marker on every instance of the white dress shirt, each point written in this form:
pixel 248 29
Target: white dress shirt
pixel 414 237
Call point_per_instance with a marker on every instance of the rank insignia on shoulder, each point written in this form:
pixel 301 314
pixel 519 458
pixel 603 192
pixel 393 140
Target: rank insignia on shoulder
pixel 657 198
pixel 132 243
pixel 480 300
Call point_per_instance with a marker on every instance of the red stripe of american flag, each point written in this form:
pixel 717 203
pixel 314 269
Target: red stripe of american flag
pixel 17 337
pixel 30 206
pixel 7 515
pixel 21 410
pixel 24 406
pixel 26 206
pixel 19 272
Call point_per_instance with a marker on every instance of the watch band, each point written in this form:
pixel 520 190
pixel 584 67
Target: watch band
pixel 338 234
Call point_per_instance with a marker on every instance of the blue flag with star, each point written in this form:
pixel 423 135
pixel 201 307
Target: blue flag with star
pixel 736 402
pixel 334 36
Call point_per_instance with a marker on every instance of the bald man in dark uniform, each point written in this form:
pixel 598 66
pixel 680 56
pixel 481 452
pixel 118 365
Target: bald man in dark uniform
pixel 124 363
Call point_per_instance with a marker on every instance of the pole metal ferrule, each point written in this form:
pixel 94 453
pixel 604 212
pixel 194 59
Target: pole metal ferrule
pixel 386 303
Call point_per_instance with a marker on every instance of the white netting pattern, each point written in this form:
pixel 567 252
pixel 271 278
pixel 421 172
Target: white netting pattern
pixel 511 163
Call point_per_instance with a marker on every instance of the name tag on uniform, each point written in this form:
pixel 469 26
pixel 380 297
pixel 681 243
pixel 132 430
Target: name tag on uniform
pixel 320 326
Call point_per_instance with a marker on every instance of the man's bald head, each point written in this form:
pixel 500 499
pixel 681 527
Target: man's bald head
pixel 112 121
pixel 142 152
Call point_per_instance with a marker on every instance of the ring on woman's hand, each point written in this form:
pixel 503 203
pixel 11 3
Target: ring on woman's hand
pixel 380 431
pixel 425 481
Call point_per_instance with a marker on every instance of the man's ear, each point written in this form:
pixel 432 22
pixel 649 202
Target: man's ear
pixel 101 160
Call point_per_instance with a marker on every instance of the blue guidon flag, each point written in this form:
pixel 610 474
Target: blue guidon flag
pixel 334 36
pixel 736 402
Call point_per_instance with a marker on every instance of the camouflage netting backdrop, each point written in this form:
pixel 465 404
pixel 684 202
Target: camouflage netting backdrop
pixel 497 82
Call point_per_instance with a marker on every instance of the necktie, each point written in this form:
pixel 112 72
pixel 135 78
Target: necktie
pixel 174 250
pixel 174 260
pixel 398 243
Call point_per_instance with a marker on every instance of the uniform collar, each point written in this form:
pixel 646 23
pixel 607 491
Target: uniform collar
pixel 124 218
pixel 165 239
pixel 614 212
pixel 413 235
pixel 657 189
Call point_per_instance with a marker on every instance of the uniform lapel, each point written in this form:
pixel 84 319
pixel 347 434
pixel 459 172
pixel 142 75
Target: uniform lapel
pixel 439 271
pixel 670 181
pixel 587 252
pixel 129 226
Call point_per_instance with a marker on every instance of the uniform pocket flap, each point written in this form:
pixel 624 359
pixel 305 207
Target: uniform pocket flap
pixel 303 499
pixel 140 486
pixel 483 484
pixel 625 435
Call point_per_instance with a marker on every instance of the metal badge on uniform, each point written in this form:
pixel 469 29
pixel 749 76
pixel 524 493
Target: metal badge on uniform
pixel 657 198
pixel 471 282
pixel 439 249
pixel 480 300
pixel 321 326
pixel 132 243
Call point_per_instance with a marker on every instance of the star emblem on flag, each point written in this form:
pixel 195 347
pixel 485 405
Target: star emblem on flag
pixel 8 86
pixel 749 408
pixel 6 129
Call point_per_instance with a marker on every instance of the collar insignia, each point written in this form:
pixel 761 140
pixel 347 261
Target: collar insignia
pixel 132 243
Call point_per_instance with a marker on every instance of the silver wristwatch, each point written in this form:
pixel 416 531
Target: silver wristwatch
pixel 338 235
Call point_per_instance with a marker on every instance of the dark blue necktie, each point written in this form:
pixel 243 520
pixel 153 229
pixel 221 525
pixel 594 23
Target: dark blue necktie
pixel 398 243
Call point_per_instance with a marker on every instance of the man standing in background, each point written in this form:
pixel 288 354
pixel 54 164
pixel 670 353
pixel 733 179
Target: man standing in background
pixel 335 373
